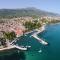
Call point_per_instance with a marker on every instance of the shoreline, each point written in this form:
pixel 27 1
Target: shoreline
pixel 30 31
pixel 13 46
pixel 41 29
pixel 35 35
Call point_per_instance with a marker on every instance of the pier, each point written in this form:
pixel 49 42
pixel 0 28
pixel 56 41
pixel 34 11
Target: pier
pixel 14 40
pixel 39 39
pixel 13 46
pixel 19 47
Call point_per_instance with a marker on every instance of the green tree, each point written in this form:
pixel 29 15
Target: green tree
pixel 32 25
pixel 9 35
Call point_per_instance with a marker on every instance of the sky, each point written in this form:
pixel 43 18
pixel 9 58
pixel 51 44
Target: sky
pixel 47 5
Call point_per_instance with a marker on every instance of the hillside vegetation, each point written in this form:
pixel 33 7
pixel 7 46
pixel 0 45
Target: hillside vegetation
pixel 10 13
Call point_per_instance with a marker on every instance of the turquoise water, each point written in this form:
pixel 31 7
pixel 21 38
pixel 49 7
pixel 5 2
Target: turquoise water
pixel 12 54
pixel 49 52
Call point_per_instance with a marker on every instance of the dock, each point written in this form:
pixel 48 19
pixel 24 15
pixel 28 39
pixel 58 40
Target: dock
pixel 13 46
pixel 39 39
pixel 19 47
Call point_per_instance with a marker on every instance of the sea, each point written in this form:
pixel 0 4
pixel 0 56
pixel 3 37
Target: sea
pixel 37 51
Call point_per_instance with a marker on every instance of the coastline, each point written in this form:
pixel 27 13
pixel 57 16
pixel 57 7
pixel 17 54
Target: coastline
pixel 30 31
pixel 35 35
pixel 41 29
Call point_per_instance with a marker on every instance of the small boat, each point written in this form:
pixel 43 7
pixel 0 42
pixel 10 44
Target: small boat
pixel 16 44
pixel 30 36
pixel 28 46
pixel 18 51
pixel 40 51
pixel 25 35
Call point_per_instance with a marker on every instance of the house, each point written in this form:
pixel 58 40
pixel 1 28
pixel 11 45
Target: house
pixel 18 32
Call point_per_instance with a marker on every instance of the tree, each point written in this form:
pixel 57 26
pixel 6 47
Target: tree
pixel 32 25
pixel 9 35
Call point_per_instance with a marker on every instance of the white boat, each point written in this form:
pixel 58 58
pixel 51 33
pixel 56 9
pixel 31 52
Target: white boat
pixel 28 46
pixel 25 35
pixel 40 51
pixel 30 36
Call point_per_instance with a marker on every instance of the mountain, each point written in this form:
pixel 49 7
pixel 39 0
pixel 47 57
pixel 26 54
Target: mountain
pixel 6 13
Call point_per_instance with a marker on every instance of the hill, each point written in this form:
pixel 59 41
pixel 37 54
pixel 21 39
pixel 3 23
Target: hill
pixel 9 13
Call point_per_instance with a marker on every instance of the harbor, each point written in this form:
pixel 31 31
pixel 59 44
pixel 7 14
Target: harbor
pixel 39 51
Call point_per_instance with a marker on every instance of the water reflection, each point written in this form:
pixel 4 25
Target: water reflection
pixel 14 55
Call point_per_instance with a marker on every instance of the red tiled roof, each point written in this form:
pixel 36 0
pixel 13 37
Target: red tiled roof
pixel 18 31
